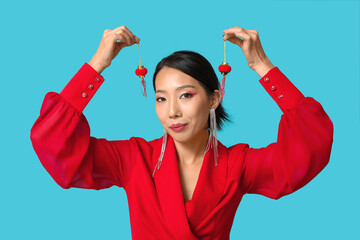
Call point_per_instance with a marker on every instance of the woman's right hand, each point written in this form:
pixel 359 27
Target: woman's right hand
pixel 109 47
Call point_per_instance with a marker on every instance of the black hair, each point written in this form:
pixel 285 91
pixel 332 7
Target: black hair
pixel 199 68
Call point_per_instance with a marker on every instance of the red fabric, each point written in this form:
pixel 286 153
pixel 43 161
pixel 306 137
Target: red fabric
pixel 61 139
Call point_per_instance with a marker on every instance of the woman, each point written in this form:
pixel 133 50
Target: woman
pixel 186 184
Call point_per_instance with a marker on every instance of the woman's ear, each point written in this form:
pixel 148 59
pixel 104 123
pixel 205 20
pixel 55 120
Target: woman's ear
pixel 215 99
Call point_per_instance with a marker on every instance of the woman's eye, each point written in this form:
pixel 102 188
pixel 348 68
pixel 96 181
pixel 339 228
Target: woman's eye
pixel 187 95
pixel 160 99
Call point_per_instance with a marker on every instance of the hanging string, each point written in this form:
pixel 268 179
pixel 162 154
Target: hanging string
pixel 139 52
pixel 224 51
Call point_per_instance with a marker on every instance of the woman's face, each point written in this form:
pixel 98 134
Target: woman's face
pixel 180 99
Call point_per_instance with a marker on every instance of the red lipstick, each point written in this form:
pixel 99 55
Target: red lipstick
pixel 178 127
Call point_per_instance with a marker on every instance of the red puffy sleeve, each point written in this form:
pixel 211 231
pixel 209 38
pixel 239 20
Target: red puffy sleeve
pixel 61 139
pixel 303 146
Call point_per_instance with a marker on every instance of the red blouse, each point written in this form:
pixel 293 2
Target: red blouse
pixel 61 139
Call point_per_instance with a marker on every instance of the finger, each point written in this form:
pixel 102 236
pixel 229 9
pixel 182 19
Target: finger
pixel 137 40
pixel 234 29
pixel 121 27
pixel 124 30
pixel 233 38
pixel 122 38
pixel 126 36
pixel 131 35
pixel 237 29
pixel 253 32
pixel 242 34
pixel 106 31
pixel 236 41
pixel 133 38
pixel 231 32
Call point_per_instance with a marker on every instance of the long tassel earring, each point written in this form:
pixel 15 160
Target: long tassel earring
pixel 141 72
pixel 162 152
pixel 224 68
pixel 213 132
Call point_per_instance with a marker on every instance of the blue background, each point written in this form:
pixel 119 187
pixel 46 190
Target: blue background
pixel 44 43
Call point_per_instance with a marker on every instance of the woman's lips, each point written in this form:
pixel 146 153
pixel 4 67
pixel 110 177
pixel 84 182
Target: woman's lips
pixel 178 127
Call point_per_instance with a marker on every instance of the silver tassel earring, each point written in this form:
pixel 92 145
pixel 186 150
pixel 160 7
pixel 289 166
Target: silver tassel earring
pixel 213 132
pixel 162 152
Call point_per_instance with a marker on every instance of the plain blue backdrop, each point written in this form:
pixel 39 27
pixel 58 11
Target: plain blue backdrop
pixel 44 43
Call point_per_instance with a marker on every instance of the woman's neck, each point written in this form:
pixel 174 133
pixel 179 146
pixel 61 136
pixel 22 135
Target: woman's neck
pixel 191 152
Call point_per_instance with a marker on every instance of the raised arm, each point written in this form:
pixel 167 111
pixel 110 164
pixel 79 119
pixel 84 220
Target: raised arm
pixel 303 144
pixel 61 134
pixel 305 133
pixel 61 139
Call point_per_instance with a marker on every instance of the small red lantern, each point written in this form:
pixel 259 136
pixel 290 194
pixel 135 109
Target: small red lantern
pixel 224 68
pixel 141 72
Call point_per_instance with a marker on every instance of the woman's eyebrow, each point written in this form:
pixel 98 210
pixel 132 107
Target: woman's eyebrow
pixel 178 88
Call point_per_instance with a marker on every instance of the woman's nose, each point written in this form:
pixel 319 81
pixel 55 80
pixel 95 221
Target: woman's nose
pixel 174 110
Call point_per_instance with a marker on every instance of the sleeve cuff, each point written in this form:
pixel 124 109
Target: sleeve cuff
pixel 82 87
pixel 279 87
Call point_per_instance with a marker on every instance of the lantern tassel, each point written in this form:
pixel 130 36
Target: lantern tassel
pixel 144 85
pixel 223 88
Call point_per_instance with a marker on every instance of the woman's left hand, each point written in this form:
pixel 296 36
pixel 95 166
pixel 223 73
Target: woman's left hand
pixel 251 46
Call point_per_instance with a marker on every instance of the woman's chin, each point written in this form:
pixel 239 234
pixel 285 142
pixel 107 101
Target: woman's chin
pixel 179 137
pixel 184 136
